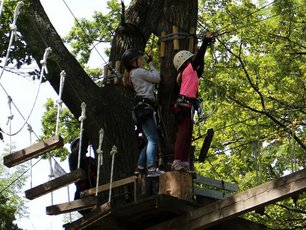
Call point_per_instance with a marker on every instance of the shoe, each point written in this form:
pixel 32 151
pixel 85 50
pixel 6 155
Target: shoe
pixel 139 171
pixel 177 166
pixel 186 166
pixel 154 173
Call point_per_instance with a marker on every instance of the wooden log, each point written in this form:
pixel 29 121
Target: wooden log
pixel 90 218
pixel 176 43
pixel 239 204
pixel 56 183
pixel 177 184
pixel 115 184
pixel 79 204
pixel 34 150
pixel 162 45
pixel 191 40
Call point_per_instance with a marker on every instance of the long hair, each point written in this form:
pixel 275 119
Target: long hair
pixel 127 79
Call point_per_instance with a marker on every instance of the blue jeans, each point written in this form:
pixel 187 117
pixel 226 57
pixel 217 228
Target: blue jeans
pixel 148 153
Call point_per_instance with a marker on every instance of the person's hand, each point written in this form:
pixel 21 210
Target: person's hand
pixel 209 36
pixel 150 58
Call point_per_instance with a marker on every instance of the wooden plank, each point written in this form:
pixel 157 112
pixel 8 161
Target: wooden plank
pixel 34 150
pixel 206 145
pixel 90 218
pixel 239 204
pixel 115 184
pixel 56 183
pixel 216 183
pixel 210 193
pixel 79 204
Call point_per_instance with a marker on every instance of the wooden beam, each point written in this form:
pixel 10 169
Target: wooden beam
pixel 206 145
pixel 239 204
pixel 34 150
pixel 216 183
pixel 90 218
pixel 210 193
pixel 57 183
pixel 115 184
pixel 79 204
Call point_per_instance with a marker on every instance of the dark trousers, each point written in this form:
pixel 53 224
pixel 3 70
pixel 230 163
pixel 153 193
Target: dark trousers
pixel 182 144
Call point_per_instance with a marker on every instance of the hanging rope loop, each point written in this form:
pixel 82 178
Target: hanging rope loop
pixel 100 158
pixel 112 153
pixel 81 119
pixel 83 116
pixel 59 100
pixel 44 61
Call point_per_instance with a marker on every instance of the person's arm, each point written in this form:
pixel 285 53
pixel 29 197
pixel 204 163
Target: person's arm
pixel 198 61
pixel 151 75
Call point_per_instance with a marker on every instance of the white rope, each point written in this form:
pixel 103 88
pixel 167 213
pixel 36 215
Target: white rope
pixel 42 72
pixel 81 119
pixel 1 7
pixel 9 120
pixel 112 153
pixel 13 28
pixel 100 158
pixel 31 165
pixel 59 101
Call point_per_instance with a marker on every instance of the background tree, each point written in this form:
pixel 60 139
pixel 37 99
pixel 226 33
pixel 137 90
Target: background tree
pixel 12 205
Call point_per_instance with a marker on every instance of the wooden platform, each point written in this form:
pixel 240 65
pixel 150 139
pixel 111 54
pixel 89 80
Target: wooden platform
pixel 57 183
pixel 34 150
pixel 87 220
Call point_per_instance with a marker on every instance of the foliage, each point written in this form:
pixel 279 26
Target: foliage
pixel 12 205
pixel 253 92
pixel 68 126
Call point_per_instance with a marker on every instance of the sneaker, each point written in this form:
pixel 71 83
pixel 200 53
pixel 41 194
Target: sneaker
pixel 186 166
pixel 177 166
pixel 154 173
pixel 140 170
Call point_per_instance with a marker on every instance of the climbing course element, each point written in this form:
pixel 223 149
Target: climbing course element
pixel 33 151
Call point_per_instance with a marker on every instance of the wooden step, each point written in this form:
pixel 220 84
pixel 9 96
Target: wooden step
pixel 115 184
pixel 76 205
pixel 57 183
pixel 89 219
pixel 34 150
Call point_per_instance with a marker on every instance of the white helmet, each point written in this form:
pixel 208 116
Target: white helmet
pixel 181 57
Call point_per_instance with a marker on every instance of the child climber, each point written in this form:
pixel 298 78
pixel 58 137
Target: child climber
pixel 143 82
pixel 88 164
pixel 190 67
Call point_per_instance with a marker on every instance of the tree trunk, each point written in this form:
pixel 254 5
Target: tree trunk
pixel 109 107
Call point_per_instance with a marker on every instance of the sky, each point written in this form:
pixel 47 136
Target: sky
pixel 23 92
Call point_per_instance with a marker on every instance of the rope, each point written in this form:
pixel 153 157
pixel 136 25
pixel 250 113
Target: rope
pixel 43 70
pixel 81 119
pixel 100 158
pixel 31 171
pixel 13 28
pixel 1 7
pixel 59 101
pixel 112 153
